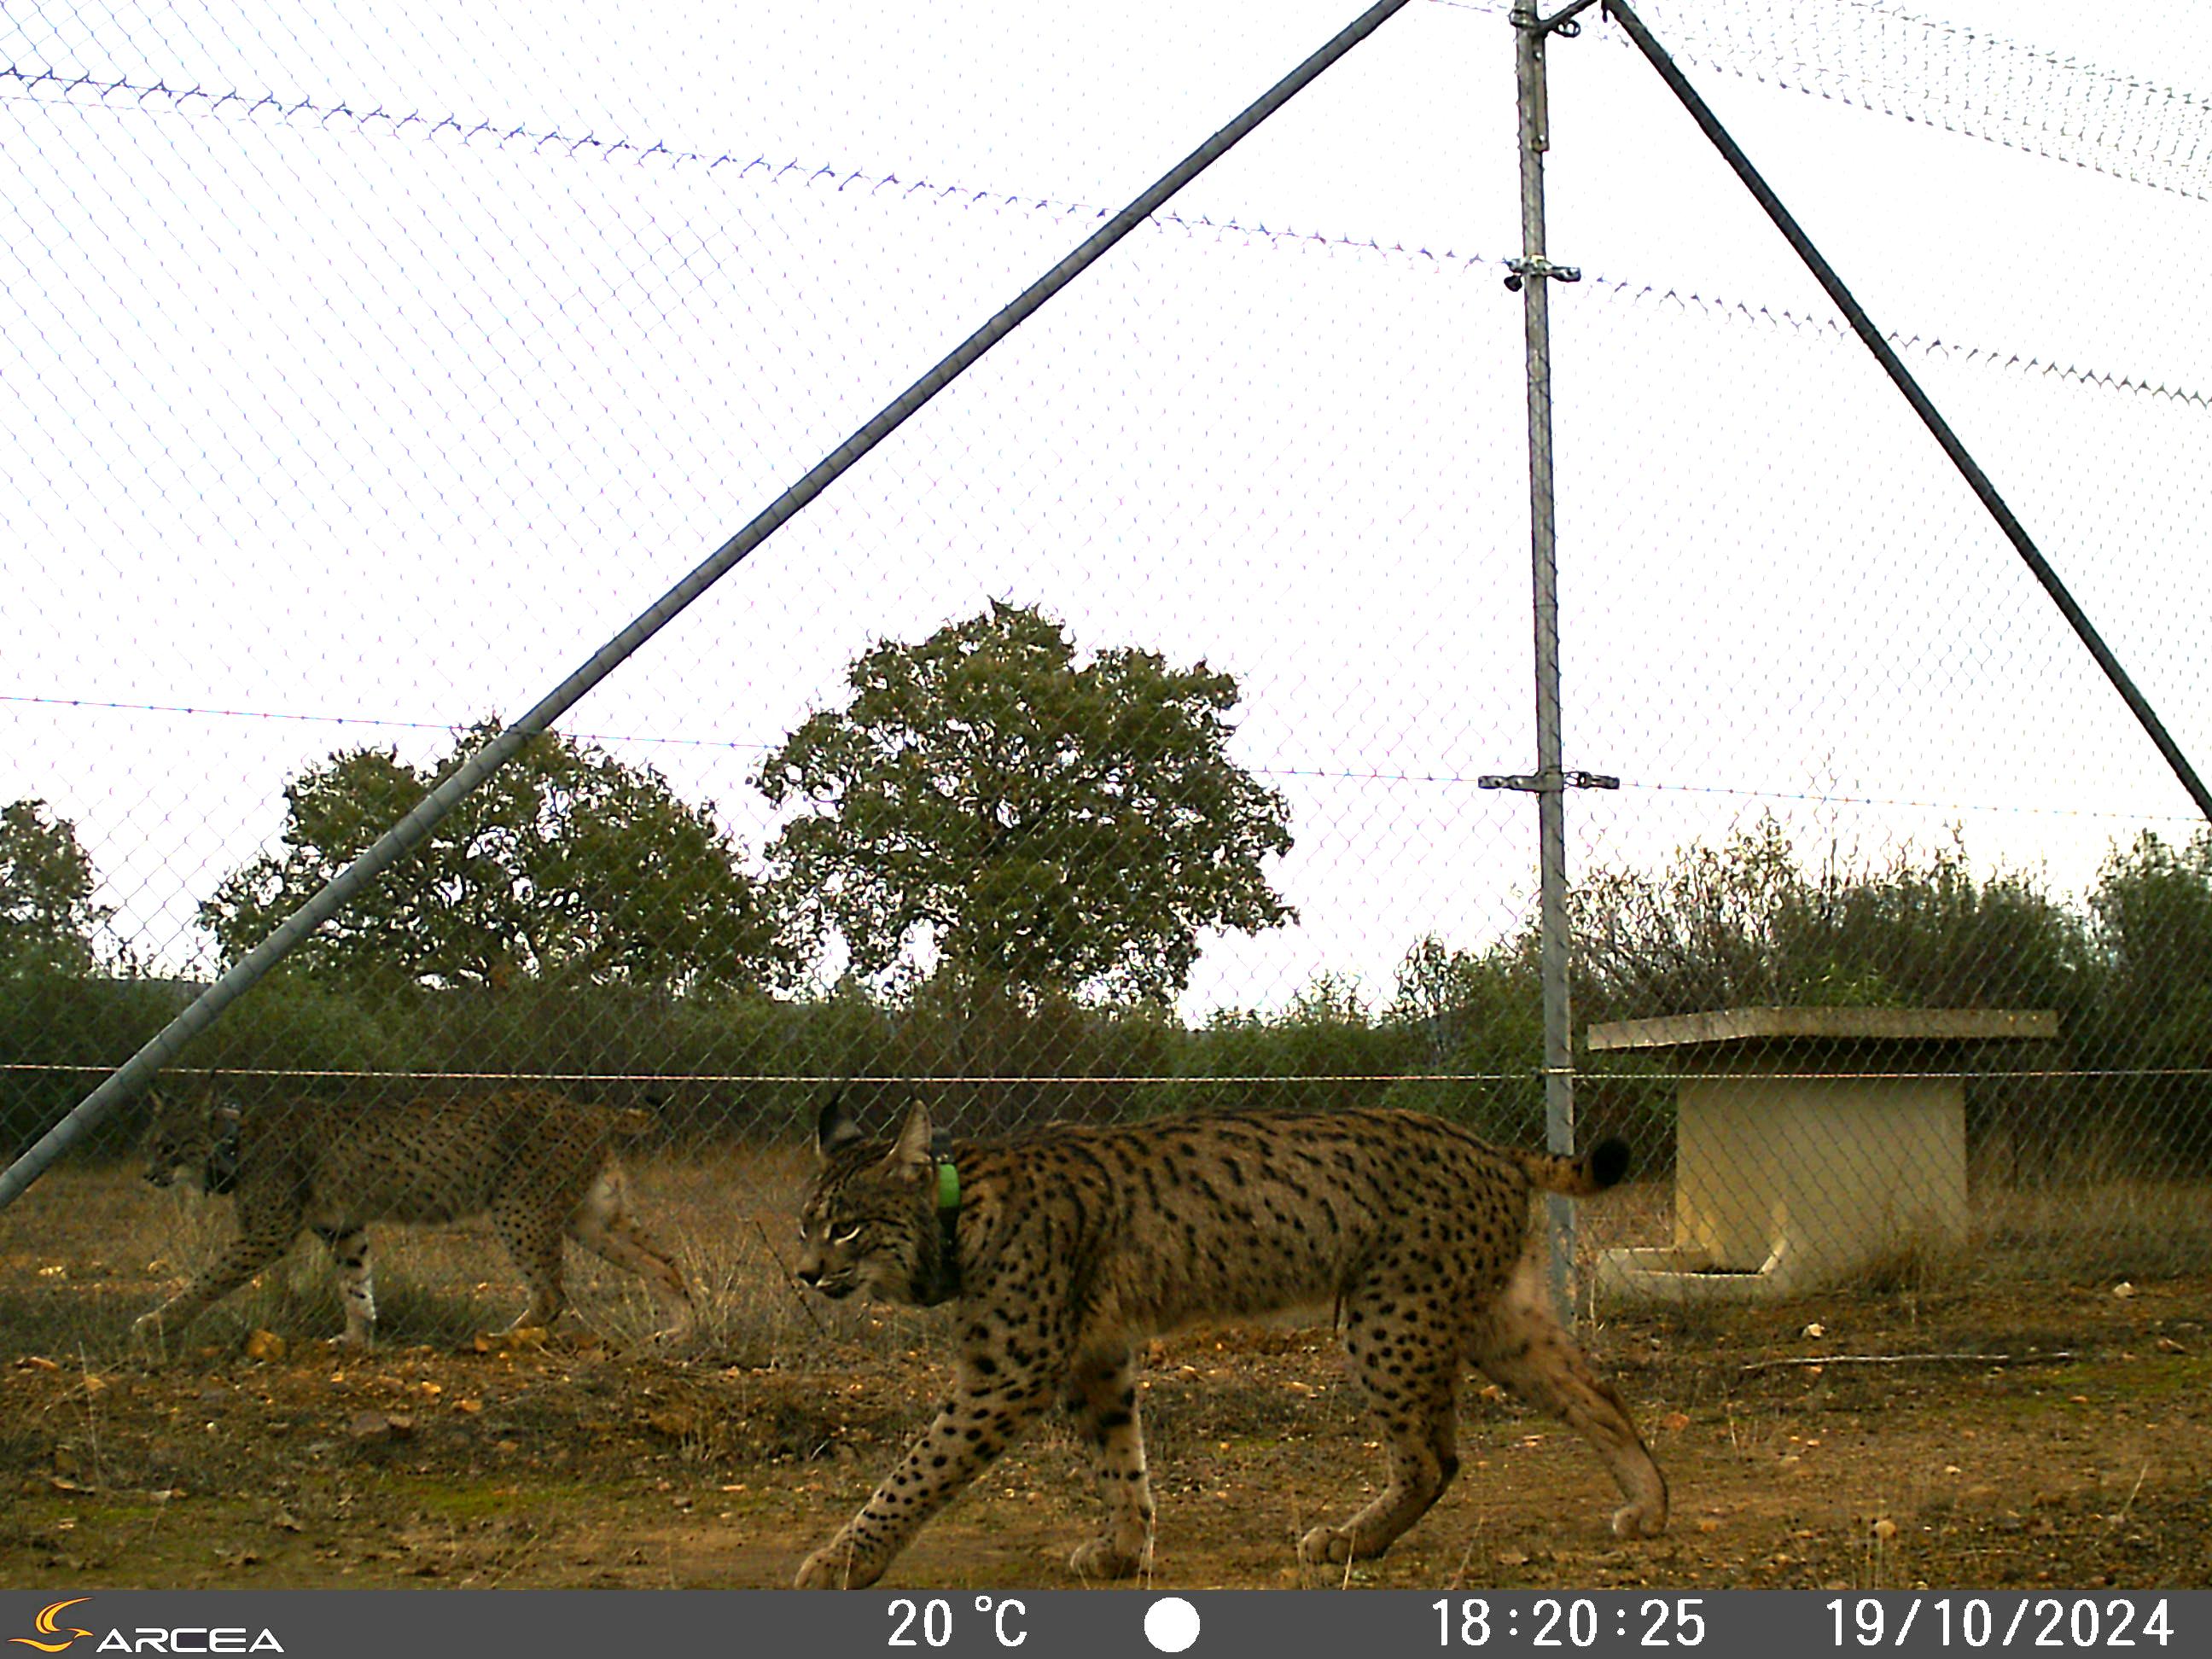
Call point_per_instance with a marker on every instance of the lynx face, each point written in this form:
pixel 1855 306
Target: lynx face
pixel 197 1137
pixel 179 1136
pixel 1067 1246
pixel 870 1226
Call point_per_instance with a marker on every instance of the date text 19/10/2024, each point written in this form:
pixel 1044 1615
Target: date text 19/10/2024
pixel 2071 1622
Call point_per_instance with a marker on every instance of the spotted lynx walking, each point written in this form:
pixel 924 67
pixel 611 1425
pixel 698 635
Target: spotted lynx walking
pixel 1065 1247
pixel 542 1166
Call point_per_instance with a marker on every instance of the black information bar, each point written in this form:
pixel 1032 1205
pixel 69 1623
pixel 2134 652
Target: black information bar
pixel 1064 1624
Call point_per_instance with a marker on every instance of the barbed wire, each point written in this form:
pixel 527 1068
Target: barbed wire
pixel 2035 100
pixel 1781 318
pixel 538 140
pixel 1716 307
pixel 2164 148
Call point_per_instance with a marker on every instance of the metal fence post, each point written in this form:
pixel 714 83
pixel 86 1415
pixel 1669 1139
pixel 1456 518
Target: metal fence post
pixel 1531 274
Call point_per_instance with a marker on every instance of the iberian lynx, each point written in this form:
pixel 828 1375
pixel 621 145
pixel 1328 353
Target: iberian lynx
pixel 1062 1249
pixel 542 1167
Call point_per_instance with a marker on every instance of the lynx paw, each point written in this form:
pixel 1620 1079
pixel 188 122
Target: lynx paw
pixel 1102 1559
pixel 1325 1546
pixel 1634 1520
pixel 835 1567
pixel 1334 1546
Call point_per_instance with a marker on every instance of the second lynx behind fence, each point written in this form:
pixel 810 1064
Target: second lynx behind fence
pixel 542 1167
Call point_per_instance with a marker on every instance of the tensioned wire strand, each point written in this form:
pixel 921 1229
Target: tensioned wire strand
pixel 1192 1080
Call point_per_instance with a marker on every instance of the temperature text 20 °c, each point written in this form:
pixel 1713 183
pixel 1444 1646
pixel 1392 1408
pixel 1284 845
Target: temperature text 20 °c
pixel 929 1624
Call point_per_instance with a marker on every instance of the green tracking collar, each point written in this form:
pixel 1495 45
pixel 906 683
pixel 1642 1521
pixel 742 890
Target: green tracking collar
pixel 945 1282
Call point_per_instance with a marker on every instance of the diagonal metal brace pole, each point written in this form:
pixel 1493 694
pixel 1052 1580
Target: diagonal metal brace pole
pixel 1893 365
pixel 412 830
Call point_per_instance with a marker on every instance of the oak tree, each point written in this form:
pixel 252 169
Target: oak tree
pixel 1039 822
pixel 568 864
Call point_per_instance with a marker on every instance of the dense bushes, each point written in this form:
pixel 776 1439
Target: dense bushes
pixel 1747 922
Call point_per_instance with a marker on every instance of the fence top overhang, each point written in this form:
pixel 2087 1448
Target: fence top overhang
pixel 1715 1031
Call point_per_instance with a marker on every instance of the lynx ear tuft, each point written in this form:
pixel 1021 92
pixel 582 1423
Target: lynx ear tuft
pixel 834 1127
pixel 913 1149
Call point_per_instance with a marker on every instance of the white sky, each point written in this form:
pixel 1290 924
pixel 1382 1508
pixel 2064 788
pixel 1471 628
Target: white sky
pixel 317 416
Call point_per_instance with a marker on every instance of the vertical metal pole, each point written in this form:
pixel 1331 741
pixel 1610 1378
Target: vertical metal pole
pixel 1529 32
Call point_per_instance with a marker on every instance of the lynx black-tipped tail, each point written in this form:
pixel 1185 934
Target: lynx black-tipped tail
pixel 1607 1162
pixel 1584 1176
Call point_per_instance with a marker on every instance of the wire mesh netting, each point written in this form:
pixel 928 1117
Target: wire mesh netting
pixel 1105 745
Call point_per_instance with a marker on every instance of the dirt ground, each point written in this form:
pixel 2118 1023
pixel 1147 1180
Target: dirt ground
pixel 1954 1434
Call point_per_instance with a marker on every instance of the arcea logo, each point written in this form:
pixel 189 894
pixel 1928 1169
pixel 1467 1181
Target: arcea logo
pixel 146 1638
pixel 46 1627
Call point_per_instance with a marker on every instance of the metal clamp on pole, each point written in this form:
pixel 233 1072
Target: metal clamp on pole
pixel 1560 22
pixel 1541 782
pixel 1524 269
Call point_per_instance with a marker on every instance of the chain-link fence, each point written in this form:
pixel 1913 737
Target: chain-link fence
pixel 1106 743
